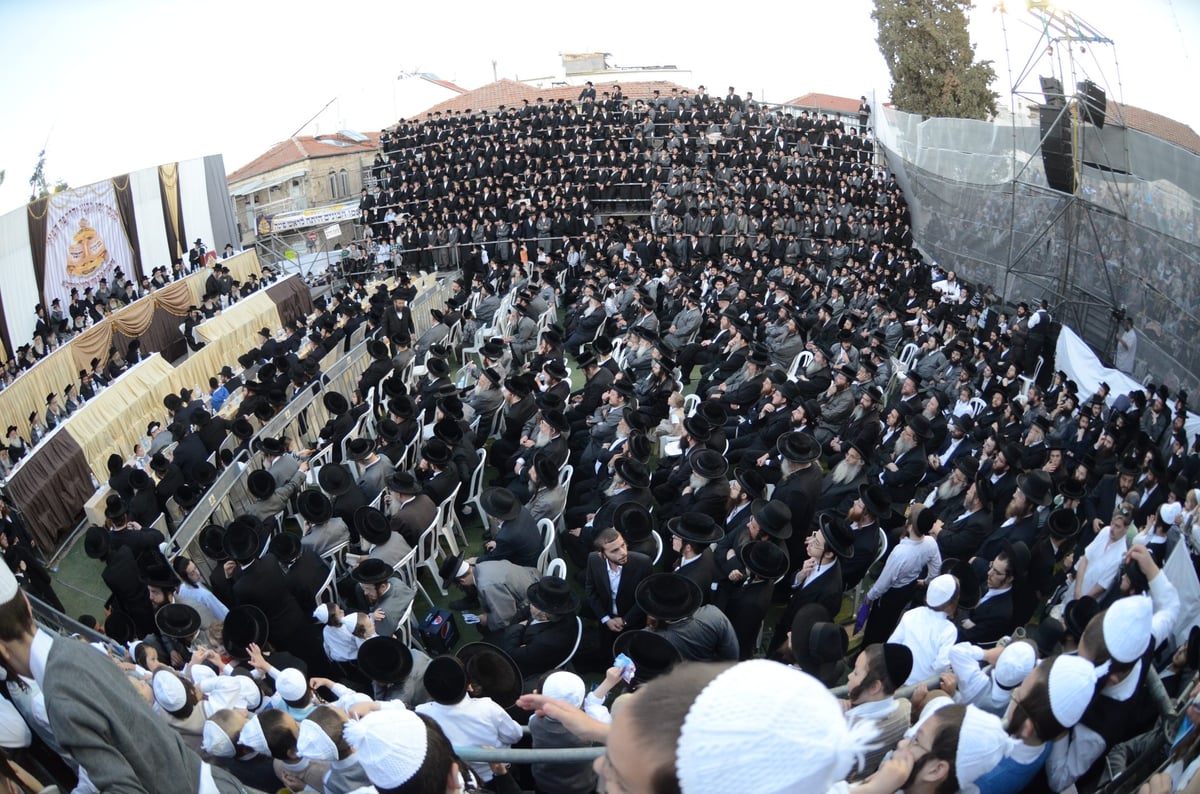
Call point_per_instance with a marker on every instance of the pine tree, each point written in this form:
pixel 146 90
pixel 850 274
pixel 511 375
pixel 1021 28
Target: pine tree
pixel 932 60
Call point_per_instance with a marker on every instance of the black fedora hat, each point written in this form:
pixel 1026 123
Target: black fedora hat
pixel 552 594
pixel 372 524
pixel 1063 524
pixel 653 654
pixel 204 474
pixel 452 569
pixel 697 427
pixel 876 499
pixel 668 596
pixel 96 542
pixel 402 406
pixel 824 648
pixel 633 472
pixel 448 431
pixel 359 448
pixel 335 402
pixel 178 621
pixel 557 420
pixel 838 537
pixel 492 672
pixel 438 367
pixel 445 680
pixel 245 625
pixel 697 528
pixel 773 517
pixel 242 428
pixel 764 558
pixel 805 618
pixel 500 503
pixel 187 496
pixel 799 447
pixel 546 469
pixel 404 483
pixel 334 479
pixel 160 575
pixel 120 628
pixel 1078 614
pixel 1037 487
pixel 386 660
pixel 709 464
pixel 752 483
pixel 212 542
pixel 437 452
pixel 286 547
pixel 114 507
pixel 922 430
pixel 633 521
pixel 314 506
pixel 371 571
pixel 260 484
pixel 242 541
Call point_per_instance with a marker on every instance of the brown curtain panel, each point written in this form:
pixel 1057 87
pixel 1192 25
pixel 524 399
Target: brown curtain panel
pixel 160 334
pixel 37 212
pixel 172 204
pixel 50 487
pixel 124 195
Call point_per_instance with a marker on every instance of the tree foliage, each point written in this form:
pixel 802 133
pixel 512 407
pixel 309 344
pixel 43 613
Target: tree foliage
pixel 39 188
pixel 932 60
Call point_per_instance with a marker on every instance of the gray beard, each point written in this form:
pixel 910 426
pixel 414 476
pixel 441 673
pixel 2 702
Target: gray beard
pixel 813 367
pixel 541 439
pixel 948 490
pixel 696 482
pixel 902 445
pixel 613 488
pixel 844 472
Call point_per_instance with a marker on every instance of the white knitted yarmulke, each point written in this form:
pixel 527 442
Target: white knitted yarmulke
pixel 941 589
pixel 1127 627
pixel 314 744
pixel 321 613
pixel 252 737
pixel 982 742
pixel 1071 687
pixel 169 691
pixel 215 741
pixel 390 745
pixel 1016 661
pixel 566 686
pixel 291 684
pixel 764 727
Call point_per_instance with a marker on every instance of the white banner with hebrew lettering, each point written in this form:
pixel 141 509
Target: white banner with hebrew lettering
pixel 85 241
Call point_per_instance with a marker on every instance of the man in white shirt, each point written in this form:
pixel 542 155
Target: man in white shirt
pixel 928 631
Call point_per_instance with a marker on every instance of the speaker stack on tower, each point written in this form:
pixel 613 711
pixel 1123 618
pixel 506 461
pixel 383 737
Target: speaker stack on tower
pixel 1057 154
pixel 1093 103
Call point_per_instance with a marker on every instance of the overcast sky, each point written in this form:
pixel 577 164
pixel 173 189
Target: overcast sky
pixel 115 86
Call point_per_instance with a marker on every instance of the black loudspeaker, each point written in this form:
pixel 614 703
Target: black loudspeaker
pixel 1093 103
pixel 1057 153
pixel 1052 88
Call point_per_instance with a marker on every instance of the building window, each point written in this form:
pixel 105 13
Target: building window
pixel 345 182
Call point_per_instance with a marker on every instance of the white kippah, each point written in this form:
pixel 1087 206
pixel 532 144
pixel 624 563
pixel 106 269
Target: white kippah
pixel 201 673
pixel 314 744
pixel 321 613
pixel 8 585
pixel 982 742
pixel 1071 686
pixel 941 589
pixel 390 745
pixel 169 690
pixel 1169 512
pixel 1126 627
pixel 565 686
pixel 764 727
pixel 463 567
pixel 1016 661
pixel 932 706
pixel 252 736
pixel 215 741
pixel 291 684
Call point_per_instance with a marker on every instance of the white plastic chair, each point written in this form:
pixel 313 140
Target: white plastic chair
pixel 327 593
pixel 447 520
pixel 858 589
pixel 575 648
pixel 658 547
pixel 336 555
pixel 978 406
pixel 907 354
pixel 691 403
pixel 557 567
pixel 802 360
pixel 428 551
pixel 549 536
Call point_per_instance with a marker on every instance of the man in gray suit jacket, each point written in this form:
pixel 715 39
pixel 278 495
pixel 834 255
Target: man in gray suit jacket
pixel 684 324
pixel 96 716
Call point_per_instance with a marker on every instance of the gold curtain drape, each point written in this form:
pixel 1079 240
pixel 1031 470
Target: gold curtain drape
pixel 28 392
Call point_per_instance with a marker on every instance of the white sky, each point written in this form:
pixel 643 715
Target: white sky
pixel 119 85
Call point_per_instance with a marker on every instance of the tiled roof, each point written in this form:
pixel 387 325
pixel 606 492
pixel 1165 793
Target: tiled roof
pixel 827 102
pixel 301 148
pixel 510 93
pixel 1155 124
pixel 444 83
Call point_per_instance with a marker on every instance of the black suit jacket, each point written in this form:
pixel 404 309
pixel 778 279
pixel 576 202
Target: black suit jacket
pixel 537 649
pixel 604 516
pixel 704 573
pixel 961 539
pixel 826 590
pixel 598 591
pixel 263 585
pixel 747 606
pixel 866 546
pixel 305 577
pixel 992 620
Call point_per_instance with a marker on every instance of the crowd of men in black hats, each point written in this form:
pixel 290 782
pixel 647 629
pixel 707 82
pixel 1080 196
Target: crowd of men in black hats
pixel 977 505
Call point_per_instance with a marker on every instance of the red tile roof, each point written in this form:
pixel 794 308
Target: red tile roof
pixel 510 93
pixel 1155 124
pixel 827 102
pixel 301 148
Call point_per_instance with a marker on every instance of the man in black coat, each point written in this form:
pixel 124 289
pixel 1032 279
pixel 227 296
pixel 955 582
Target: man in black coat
pixel 992 617
pixel 747 604
pixel 612 558
pixel 907 468
pixel 544 632
pixel 959 537
pixel 304 572
pixel 585 402
pixel 692 535
pixel 819 579
pixel 871 507
pixel 517 539
pixel 800 488
pixel 123 579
